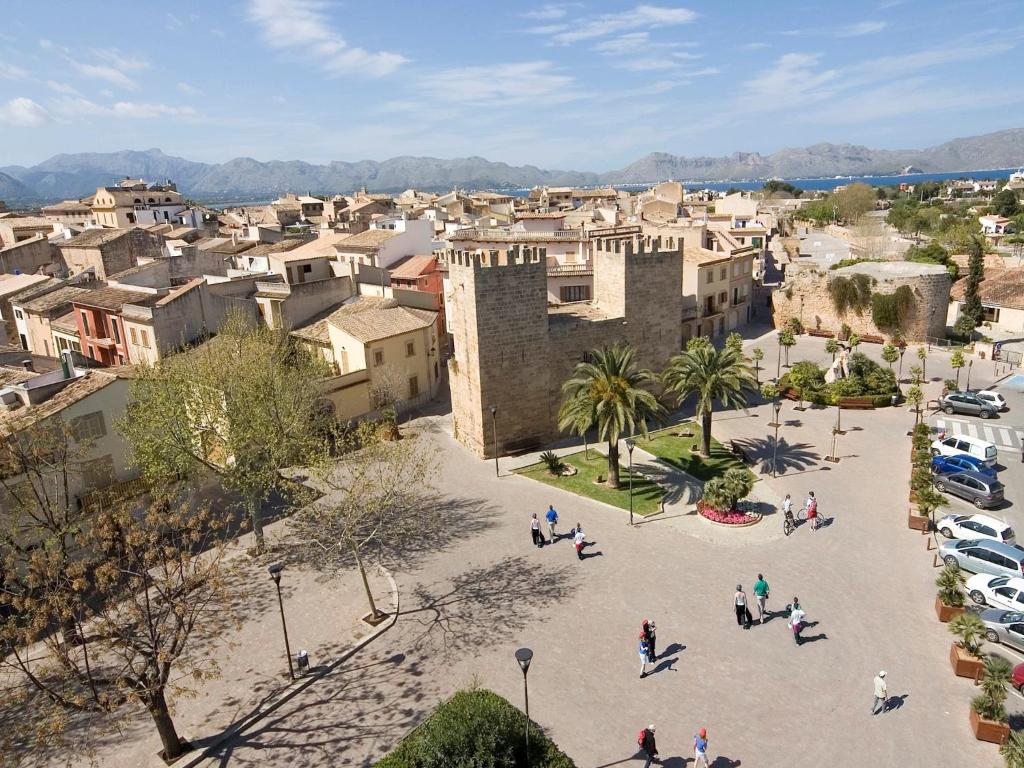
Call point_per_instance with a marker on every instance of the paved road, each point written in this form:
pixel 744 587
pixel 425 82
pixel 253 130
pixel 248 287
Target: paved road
pixel 479 590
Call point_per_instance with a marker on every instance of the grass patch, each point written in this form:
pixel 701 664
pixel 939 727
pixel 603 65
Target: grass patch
pixel 646 494
pixel 678 451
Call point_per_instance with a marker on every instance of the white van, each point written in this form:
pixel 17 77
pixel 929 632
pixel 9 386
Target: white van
pixel 965 444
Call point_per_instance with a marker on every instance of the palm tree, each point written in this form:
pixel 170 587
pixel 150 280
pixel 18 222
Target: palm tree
pixel 712 374
pixel 607 391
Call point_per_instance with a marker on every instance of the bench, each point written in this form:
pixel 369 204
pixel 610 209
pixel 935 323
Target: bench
pixel 790 394
pixel 857 405
pixel 868 338
pixel 821 333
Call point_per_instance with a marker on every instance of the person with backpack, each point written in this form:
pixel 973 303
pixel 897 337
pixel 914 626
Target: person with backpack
pixel 812 510
pixel 647 745
pixel 579 540
pixel 552 518
pixel 644 656
pixel 648 629
pixel 700 749
pixel 538 537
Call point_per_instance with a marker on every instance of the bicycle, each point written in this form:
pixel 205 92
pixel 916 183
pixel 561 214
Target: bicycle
pixel 790 520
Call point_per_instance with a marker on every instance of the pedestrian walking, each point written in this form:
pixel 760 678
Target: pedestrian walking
pixel 648 746
pixel 644 656
pixel 579 539
pixel 743 617
pixel 649 632
pixel 796 620
pixel 552 518
pixel 700 749
pixel 761 595
pixel 538 537
pixel 881 694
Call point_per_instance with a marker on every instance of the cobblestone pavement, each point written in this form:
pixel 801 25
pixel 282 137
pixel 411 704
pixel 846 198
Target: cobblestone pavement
pixel 865 581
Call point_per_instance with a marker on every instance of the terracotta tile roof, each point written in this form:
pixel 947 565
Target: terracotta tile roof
pixel 19 222
pixel 266 249
pixel 703 255
pixel 11 375
pixel 91 238
pixel 11 284
pixel 412 267
pixel 89 382
pixel 224 245
pixel 371 238
pixel 1000 287
pixel 112 299
pixel 321 247
pixel 368 319
pixel 66 323
pixel 54 299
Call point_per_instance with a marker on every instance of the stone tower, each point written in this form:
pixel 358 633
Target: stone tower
pixel 499 324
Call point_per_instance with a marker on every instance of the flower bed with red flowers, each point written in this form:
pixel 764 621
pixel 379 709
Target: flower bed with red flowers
pixel 742 515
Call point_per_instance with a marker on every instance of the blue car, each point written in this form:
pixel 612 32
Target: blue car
pixel 943 465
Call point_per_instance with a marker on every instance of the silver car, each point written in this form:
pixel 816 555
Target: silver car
pixel 983 492
pixel 969 403
pixel 984 556
pixel 1006 627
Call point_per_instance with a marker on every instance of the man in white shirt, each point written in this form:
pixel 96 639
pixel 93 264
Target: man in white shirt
pixel 881 694
pixel 796 620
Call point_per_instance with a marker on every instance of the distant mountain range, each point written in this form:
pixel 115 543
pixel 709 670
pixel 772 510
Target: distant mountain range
pixel 76 175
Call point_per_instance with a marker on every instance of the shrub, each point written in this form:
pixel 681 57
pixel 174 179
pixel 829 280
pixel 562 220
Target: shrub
pixel 852 292
pixel 478 728
pixel 769 391
pixel 951 586
pixel 844 331
pixel 1013 750
pixel 997 675
pixel 796 326
pixel 553 462
pixel 969 631
pixel 891 310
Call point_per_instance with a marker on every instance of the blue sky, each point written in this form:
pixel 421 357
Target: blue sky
pixel 583 85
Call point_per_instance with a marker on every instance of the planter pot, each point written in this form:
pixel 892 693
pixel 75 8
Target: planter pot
pixel 917 522
pixel 989 730
pixel 946 612
pixel 965 665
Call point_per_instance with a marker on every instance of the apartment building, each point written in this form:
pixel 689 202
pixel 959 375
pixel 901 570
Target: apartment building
pixel 14 229
pixel 109 251
pixel 387 242
pixel 133 201
pixel 69 213
pixel 10 287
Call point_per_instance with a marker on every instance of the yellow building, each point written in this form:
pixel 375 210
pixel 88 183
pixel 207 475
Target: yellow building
pixel 382 353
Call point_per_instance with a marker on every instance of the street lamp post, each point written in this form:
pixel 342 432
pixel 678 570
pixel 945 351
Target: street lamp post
pixel 969 364
pixel 903 349
pixel 494 436
pixel 775 446
pixel 630 445
pixel 778 362
pixel 275 574
pixel 524 656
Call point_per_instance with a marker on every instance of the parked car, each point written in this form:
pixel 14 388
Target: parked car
pixel 983 492
pixel 993 398
pixel 983 556
pixel 1018 677
pixel 965 445
pixel 1006 627
pixel 967 402
pixel 997 591
pixel 975 527
pixel 961 463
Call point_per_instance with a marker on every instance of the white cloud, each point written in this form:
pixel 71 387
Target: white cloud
pixel 302 26
pixel 65 88
pixel 189 90
pixel 754 46
pixel 794 78
pixel 108 74
pixel 23 113
pixel 862 28
pixel 173 22
pixel 606 24
pixel 70 108
pixel 548 11
pixel 547 29
pixel 11 72
pixel 628 43
pixel 501 84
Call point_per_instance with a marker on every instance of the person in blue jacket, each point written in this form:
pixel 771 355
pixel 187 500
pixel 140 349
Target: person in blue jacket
pixel 552 518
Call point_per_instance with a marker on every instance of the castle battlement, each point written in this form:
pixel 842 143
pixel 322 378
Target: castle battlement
pixel 634 244
pixel 516 256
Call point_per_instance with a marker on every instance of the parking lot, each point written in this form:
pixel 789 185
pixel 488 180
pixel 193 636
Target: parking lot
pixel 1006 432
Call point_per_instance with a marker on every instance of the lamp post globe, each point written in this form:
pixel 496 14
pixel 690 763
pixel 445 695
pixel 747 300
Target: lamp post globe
pixel 524 656
pixel 630 445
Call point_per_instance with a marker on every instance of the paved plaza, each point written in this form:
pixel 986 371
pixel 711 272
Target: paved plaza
pixel 865 581
pixel 476 589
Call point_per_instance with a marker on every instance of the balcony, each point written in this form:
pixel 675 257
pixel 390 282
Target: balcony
pixel 581 269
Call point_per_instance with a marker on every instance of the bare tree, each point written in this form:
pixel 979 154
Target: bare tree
pixel 103 616
pixel 378 493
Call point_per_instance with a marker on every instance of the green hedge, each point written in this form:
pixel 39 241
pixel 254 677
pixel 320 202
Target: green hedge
pixel 475 728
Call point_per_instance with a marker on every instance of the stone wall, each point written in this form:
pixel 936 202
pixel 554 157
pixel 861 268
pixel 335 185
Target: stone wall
pixel 805 296
pixel 509 352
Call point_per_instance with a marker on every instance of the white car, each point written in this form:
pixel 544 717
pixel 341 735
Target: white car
pixel 997 591
pixel 991 396
pixel 975 527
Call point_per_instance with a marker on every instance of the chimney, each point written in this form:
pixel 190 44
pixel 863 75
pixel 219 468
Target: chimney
pixel 67 364
pixel 28 366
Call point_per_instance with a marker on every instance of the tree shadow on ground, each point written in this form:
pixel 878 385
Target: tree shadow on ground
pixel 493 602
pixel 791 457
pixel 667 478
pixel 330 722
